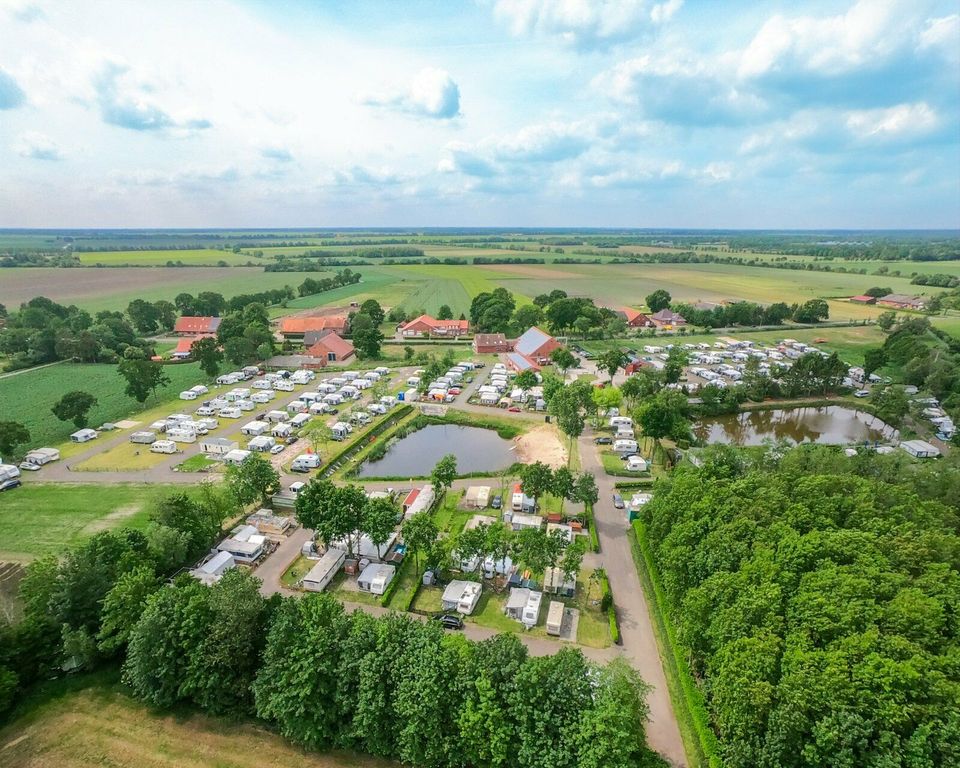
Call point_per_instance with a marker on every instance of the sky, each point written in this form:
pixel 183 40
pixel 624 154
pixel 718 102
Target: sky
pixel 534 113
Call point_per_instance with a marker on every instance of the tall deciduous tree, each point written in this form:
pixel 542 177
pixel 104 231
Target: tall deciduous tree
pixel 419 534
pixel 380 516
pixel 255 478
pixel 658 300
pixel 12 434
pixel 74 406
pixel 444 473
pixel 143 377
pixel 207 352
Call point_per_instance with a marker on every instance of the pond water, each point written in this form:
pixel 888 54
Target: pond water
pixel 833 425
pixel 476 449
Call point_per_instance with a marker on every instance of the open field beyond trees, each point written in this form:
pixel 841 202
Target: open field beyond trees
pixel 102 726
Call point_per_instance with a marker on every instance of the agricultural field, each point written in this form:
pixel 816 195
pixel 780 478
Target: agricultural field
pixel 194 257
pixel 29 395
pixel 101 725
pixel 44 519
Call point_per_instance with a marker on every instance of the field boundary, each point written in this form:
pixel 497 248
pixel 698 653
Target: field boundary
pixel 699 740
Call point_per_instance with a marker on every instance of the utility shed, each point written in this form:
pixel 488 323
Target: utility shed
pixel 323 572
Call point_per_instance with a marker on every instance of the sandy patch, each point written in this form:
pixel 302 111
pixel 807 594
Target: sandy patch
pixel 538 271
pixel 541 444
pixel 109 521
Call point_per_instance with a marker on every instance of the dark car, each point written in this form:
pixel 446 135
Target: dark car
pixel 497 502
pixel 449 621
pixel 291 439
pixel 603 440
pixel 617 501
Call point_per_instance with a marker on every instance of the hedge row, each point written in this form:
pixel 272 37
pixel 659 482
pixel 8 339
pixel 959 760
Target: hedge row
pixel 693 703
pixel 357 445
pixel 592 526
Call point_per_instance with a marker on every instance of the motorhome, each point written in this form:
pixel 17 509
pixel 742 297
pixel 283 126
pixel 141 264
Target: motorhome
pixel 305 462
pixel 163 446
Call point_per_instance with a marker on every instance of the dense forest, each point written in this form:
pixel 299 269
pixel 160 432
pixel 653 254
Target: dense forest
pixel 818 601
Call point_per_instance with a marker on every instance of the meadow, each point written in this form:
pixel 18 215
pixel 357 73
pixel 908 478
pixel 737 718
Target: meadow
pixel 46 519
pixel 28 396
pixel 101 725
pixel 193 257
pixel 98 289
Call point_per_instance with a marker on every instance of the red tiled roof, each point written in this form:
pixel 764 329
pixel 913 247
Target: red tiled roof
pixel 304 324
pixel 189 324
pixel 331 342
pixel 435 324
pixel 863 298
pixel 184 344
pixel 411 497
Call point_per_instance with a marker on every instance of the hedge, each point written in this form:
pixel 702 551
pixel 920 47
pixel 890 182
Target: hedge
pixel 606 603
pixel 591 523
pixel 693 707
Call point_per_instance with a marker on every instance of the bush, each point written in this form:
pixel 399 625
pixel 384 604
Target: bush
pixel 594 540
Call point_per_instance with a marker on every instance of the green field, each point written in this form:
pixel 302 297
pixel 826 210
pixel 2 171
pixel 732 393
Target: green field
pixel 29 396
pixel 195 257
pixel 96 289
pixel 43 519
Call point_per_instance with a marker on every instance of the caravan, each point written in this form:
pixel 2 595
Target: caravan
pixel 625 447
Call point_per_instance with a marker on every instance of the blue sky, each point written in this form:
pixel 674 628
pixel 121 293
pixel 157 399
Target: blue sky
pixel 643 113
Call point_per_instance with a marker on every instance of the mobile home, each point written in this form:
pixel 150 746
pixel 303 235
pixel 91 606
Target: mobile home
pixel 323 572
pixel 84 435
pixel 376 577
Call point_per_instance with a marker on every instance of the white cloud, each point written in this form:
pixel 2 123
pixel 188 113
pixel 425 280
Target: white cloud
pixel 432 93
pixel 943 34
pixel 11 94
pixel 903 119
pixel 583 23
pixel 36 146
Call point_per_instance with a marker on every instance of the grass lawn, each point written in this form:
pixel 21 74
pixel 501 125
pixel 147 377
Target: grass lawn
pixel 36 391
pixel 427 600
pixel 197 463
pixel 339 590
pixel 290 578
pixel 121 458
pixel 408 578
pixel 41 519
pixel 102 726
pixel 615 466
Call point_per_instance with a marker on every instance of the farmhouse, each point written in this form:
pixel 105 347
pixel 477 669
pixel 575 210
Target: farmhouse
pixel 901 301
pixel 536 345
pixel 491 344
pixel 460 596
pixel 425 325
pixel 330 347
pixel 323 572
pixel 667 318
pixel 296 328
pixel 195 326
pixel 634 318
pixel 864 299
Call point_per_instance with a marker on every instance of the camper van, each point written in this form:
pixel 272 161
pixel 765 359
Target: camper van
pixel 625 447
pixel 340 430
pixel 283 385
pixel 163 446
pixel 230 412
pixel 305 462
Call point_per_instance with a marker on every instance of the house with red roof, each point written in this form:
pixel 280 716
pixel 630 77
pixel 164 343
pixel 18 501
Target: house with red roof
pixel 491 344
pixel 634 318
pixel 667 318
pixel 295 328
pixel 864 299
pixel 193 326
pixel 330 347
pixel 182 350
pixel 425 325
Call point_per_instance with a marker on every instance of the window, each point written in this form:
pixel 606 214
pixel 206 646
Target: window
pixel 331 357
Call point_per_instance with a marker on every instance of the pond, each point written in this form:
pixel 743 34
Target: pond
pixel 476 449
pixel 832 425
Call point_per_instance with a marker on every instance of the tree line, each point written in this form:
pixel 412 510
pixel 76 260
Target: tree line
pixel 816 599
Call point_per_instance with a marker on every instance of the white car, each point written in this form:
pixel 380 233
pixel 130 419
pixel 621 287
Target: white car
pixel 862 393
pixel 277 448
pixel 29 466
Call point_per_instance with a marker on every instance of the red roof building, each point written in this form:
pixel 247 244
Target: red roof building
pixel 296 327
pixel 667 318
pixel 191 326
pixel 863 299
pixel 331 348
pixel 491 344
pixel 634 318
pixel 425 325
pixel 182 350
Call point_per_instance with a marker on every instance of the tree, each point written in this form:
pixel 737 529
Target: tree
pixel 74 406
pixel 367 342
pixel 318 433
pixel 254 478
pixel 565 406
pixel 562 485
pixel 200 521
pixel 408 353
pixel 123 606
pixel 444 312
pixel 886 320
pixel 443 474
pixel 606 398
pixel 380 516
pixel 318 507
pixel 207 352
pixel 812 311
pixel 373 310
pixel 12 434
pixel 572 559
pixel 525 380
pixel 677 359
pixel 419 534
pixel 874 359
pixel 664 415
pixel 527 316
pixel 658 300
pixel 143 377
pixel 890 404
pixel 642 384
pixel 611 361
pixel 564 359
pixel 610 732
pixel 537 479
pixel 585 489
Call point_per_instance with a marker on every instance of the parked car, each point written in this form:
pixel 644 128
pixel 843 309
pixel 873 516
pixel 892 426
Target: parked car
pixel 449 621
pixel 497 502
pixel 291 440
pixel 617 501
pixel 603 440
pixel 29 466
pixel 277 448
pixel 862 393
